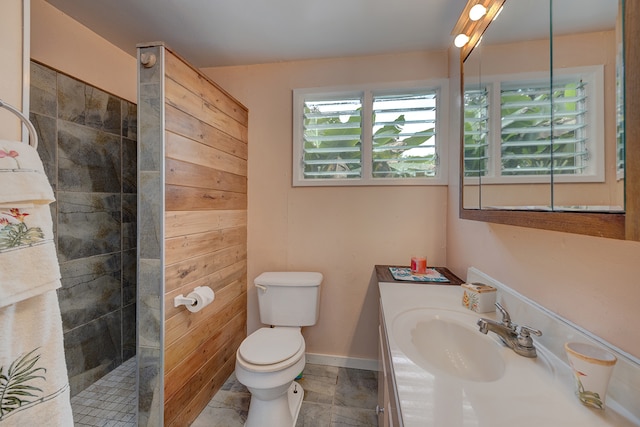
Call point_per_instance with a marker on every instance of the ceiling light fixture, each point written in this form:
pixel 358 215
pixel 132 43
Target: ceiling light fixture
pixel 477 12
pixel 473 21
pixel 498 13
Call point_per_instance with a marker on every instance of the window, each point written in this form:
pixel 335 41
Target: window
pixel 476 127
pixel 533 128
pixel 369 136
pixel 620 141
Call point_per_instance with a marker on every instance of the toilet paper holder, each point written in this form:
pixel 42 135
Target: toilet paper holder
pixel 182 300
pixel 196 300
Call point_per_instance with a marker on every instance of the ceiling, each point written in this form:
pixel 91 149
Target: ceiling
pixel 211 33
pixel 530 19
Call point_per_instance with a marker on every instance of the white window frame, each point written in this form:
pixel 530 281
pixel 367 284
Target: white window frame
pixel 367 92
pixel 594 75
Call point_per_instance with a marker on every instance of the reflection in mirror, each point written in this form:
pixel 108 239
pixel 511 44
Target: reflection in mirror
pixel 475 130
pixel 591 177
pixel 540 129
pixel 506 111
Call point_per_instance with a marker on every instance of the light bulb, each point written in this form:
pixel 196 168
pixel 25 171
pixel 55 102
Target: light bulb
pixel 460 40
pixel 477 12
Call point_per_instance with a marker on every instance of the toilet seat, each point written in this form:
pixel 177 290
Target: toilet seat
pixel 267 346
pixel 271 349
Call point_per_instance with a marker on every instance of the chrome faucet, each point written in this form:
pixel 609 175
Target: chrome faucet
pixel 517 338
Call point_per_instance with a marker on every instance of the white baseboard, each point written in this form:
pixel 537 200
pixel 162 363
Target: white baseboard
pixel 342 361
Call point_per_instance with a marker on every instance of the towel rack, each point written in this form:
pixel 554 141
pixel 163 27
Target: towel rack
pixel 33 136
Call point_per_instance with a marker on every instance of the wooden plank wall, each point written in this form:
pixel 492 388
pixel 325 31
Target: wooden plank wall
pixel 205 236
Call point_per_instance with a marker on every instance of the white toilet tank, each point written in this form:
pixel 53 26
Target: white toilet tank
pixel 289 298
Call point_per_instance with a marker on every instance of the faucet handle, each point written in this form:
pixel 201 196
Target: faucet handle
pixel 526 330
pixel 524 336
pixel 506 318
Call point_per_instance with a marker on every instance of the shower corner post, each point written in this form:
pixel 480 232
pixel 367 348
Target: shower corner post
pixel 151 287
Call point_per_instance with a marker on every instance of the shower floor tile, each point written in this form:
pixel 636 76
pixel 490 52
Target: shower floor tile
pixel 110 401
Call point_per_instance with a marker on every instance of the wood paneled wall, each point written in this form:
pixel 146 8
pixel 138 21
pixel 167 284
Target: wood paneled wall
pixel 205 236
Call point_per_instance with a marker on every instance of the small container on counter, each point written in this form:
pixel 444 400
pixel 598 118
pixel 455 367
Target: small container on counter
pixel 418 265
pixel 479 297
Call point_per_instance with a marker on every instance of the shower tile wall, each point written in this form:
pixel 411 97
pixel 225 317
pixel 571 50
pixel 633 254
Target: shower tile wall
pixel 88 147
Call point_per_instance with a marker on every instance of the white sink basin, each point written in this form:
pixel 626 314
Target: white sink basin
pixel 440 340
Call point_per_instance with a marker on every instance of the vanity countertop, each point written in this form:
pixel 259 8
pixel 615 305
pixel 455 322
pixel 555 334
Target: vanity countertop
pixel 384 275
pixel 531 392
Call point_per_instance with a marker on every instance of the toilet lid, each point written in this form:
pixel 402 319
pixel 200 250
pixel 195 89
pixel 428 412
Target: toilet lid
pixel 267 346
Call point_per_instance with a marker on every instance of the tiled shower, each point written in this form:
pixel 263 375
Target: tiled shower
pixel 88 147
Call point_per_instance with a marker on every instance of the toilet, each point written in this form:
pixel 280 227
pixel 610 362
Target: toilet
pixel 269 360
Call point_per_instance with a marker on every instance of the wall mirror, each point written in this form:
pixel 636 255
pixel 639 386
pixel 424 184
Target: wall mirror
pixel 544 139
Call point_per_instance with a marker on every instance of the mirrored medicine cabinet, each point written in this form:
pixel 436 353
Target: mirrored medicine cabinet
pixel 549 128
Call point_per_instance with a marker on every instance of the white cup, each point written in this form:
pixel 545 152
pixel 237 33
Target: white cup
pixel 592 367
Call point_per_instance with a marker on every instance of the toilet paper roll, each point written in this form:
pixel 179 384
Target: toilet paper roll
pixel 203 295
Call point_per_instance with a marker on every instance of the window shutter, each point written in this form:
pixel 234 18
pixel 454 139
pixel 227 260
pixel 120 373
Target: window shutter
pixel 620 149
pixel 332 132
pixel 404 135
pixel 544 127
pixel 476 132
pixel 620 142
pixel 620 135
pixel 378 134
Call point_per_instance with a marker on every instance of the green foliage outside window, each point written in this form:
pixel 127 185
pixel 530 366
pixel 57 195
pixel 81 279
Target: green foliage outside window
pixel 333 143
pixel 392 157
pixel 540 132
pixel 475 133
pixel 540 129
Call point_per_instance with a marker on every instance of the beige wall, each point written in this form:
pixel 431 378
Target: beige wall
pixel 591 281
pixel 66 45
pixel 340 231
pixel 11 69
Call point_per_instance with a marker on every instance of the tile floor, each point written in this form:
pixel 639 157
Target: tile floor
pixel 110 401
pixel 334 397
